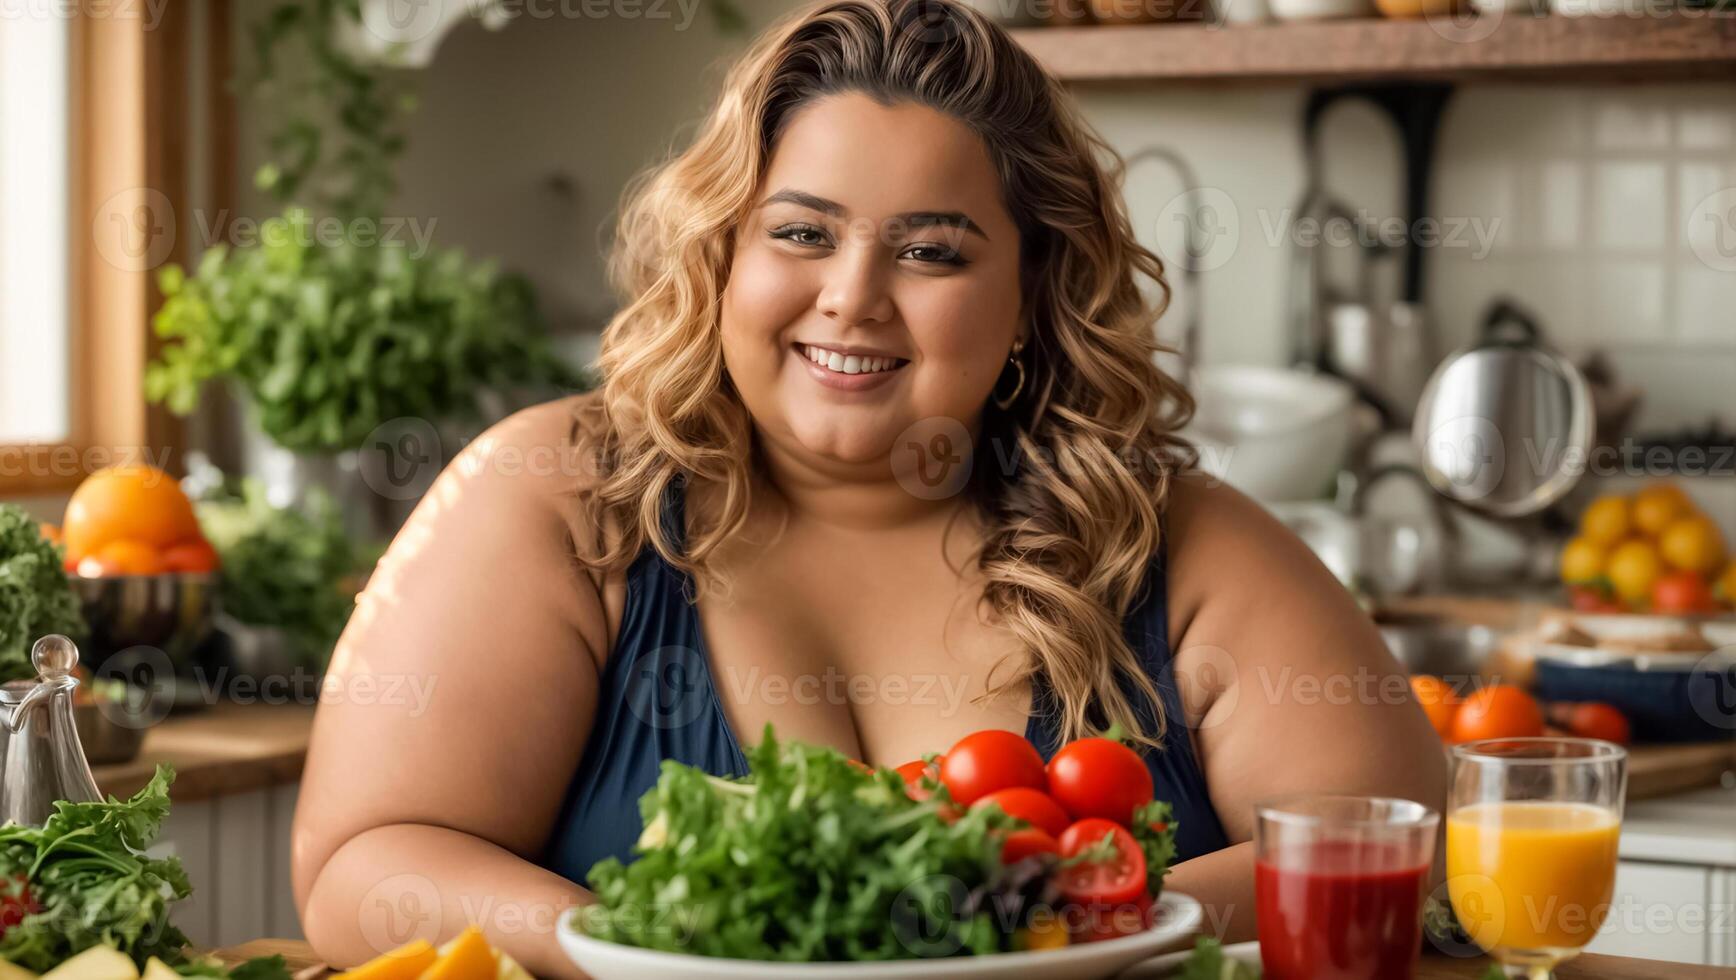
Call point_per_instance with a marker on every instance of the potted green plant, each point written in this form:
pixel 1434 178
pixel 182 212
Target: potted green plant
pixel 328 327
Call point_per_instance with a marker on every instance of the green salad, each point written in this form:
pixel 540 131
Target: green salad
pixel 815 857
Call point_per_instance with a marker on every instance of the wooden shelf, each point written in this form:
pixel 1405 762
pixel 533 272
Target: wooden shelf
pixel 1686 45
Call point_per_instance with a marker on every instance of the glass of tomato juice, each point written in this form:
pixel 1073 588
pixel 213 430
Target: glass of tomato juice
pixel 1339 884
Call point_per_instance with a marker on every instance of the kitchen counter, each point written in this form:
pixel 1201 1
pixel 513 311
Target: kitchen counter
pixel 306 966
pixel 1696 828
pixel 219 751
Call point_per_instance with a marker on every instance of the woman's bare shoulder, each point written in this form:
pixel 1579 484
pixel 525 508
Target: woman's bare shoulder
pixel 1233 566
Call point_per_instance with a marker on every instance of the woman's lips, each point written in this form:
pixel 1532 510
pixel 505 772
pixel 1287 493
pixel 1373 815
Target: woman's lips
pixel 846 371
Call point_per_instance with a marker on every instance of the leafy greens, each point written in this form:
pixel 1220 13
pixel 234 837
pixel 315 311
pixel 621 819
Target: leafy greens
pixel 809 857
pixel 91 884
pixel 35 597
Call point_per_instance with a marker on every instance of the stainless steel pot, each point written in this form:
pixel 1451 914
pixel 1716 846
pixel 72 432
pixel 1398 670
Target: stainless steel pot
pixel 1505 426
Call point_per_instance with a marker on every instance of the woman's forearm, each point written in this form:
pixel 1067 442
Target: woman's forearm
pixel 390 885
pixel 1223 882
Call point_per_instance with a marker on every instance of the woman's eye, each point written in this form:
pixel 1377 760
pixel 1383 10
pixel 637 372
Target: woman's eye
pixel 806 235
pixel 936 254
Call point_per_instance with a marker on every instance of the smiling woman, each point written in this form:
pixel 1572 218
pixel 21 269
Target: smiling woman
pixel 881 404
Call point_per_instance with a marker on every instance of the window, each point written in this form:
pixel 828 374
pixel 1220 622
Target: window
pixel 96 101
pixel 35 334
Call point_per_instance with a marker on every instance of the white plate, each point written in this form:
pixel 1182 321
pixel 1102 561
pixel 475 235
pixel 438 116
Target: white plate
pixel 1165 967
pixel 1178 918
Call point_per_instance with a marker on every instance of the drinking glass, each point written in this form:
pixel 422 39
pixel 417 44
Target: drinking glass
pixel 1532 827
pixel 1338 886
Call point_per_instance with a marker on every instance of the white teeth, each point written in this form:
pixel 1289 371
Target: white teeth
pixel 847 363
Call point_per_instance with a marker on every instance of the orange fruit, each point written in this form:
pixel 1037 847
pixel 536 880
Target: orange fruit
pixel 1438 701
pixel 1582 560
pixel 1592 719
pixel 1657 505
pixel 1693 544
pixel 124 557
pixel 1633 568
pixel 407 962
pixel 191 556
pixel 51 532
pixel 1606 521
pixel 1500 711
pixel 469 957
pixel 135 503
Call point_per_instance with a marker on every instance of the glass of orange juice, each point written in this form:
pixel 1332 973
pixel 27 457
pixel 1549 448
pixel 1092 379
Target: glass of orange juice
pixel 1532 826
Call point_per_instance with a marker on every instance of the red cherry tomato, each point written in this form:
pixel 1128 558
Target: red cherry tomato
pixel 16 902
pixel 1097 777
pixel 191 556
pixel 1032 806
pixel 987 761
pixel 1021 844
pixel 1116 878
pixel 1683 593
pixel 1098 922
pixel 1592 719
pixel 912 773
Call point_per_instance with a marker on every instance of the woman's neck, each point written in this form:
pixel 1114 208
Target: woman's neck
pixel 847 497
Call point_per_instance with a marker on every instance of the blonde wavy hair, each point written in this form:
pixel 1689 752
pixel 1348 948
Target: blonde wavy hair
pixel 1073 528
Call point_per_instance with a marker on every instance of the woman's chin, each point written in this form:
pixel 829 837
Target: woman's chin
pixel 843 443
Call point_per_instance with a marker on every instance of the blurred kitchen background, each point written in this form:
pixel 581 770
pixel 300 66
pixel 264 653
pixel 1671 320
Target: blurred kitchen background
pixel 296 254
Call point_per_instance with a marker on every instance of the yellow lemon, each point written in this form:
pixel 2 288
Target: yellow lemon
pixel 1582 560
pixel 1692 543
pixel 1606 521
pixel 1657 505
pixel 1632 569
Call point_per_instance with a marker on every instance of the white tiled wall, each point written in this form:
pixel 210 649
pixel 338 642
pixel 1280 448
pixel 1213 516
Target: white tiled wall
pixel 1611 212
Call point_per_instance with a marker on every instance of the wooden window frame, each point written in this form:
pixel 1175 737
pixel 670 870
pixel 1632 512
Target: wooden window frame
pixel 130 200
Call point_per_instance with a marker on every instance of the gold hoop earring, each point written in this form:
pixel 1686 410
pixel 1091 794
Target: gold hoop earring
pixel 1005 403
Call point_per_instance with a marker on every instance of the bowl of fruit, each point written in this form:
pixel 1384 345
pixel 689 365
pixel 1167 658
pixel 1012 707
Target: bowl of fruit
pixel 139 563
pixel 1653 552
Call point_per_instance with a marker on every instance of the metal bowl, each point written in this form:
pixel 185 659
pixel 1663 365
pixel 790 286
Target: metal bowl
pixel 106 733
pixel 1456 652
pixel 171 613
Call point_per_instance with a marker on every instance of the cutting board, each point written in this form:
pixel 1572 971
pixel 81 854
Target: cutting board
pixel 1660 770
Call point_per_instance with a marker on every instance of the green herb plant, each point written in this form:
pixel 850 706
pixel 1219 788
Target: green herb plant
pixel 293 568
pixel 36 598
pixel 329 336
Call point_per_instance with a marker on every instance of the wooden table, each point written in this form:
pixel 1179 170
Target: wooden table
pixel 306 966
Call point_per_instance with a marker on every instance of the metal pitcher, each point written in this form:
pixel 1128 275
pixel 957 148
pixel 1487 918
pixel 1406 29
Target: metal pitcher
pixel 43 759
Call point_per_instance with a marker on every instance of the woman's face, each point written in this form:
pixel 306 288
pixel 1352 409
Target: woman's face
pixel 875 284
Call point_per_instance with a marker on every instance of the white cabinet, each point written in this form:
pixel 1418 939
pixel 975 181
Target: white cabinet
pixel 236 852
pixel 1661 912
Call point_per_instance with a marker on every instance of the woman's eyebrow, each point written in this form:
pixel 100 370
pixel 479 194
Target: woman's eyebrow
pixel 921 219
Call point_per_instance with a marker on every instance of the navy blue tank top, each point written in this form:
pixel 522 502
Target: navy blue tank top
pixel 658 701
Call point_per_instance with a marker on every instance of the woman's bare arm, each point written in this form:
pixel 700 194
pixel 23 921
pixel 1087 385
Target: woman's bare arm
pixel 454 714
pixel 1288 682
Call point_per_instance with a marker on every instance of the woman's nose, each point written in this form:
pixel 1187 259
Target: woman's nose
pixel 854 289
